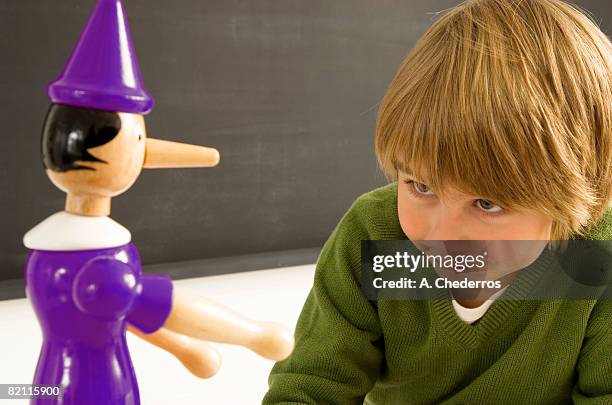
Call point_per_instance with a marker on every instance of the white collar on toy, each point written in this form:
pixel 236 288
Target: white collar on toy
pixel 64 231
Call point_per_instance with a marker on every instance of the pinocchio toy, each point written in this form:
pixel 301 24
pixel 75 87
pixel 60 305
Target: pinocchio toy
pixel 83 274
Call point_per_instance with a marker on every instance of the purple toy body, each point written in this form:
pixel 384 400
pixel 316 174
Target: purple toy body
pixel 84 301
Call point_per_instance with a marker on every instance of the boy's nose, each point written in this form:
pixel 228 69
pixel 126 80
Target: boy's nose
pixel 448 226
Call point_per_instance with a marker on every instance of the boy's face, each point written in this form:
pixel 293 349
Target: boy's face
pixel 425 216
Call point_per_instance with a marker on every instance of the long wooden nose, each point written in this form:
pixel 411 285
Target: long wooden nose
pixel 164 154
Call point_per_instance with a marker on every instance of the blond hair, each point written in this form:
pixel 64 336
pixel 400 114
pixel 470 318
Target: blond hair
pixel 510 100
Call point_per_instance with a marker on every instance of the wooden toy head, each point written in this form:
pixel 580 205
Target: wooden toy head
pixel 93 155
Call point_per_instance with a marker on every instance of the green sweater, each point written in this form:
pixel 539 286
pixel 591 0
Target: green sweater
pixel 351 351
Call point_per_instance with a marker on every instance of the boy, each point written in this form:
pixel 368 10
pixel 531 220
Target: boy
pixel 498 125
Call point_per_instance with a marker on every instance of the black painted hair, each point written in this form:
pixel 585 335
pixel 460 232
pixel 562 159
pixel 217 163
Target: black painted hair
pixel 69 132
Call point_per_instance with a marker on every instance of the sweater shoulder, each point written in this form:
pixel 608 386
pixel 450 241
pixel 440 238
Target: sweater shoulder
pixel 385 195
pixel 374 214
pixel 602 230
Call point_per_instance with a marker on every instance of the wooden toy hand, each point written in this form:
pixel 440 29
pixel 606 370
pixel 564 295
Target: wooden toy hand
pixel 207 320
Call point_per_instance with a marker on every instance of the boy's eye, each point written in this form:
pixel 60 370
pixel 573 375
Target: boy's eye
pixel 488 206
pixel 419 190
pixel 422 188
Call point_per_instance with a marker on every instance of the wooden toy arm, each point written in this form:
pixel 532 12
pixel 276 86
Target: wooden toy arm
pixel 197 356
pixel 207 320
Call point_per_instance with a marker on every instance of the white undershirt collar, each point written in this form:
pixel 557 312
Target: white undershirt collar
pixel 471 315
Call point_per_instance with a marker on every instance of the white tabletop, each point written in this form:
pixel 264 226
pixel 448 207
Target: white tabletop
pixel 274 295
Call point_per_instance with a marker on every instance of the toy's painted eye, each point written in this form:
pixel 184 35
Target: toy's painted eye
pixel 140 137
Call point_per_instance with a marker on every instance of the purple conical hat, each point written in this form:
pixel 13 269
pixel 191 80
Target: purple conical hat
pixel 102 72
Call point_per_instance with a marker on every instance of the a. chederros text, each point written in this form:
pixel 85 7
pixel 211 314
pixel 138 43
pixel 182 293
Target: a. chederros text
pixel 411 262
pixel 440 282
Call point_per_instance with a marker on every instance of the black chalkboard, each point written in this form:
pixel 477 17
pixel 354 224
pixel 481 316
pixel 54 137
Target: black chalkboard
pixel 286 90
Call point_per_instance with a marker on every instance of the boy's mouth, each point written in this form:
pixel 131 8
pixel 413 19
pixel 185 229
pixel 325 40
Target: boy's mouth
pixel 452 247
pixel 464 247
